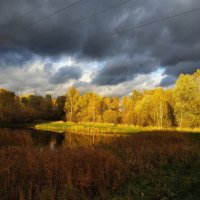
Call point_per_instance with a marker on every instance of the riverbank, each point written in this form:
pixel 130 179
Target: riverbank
pixel 92 127
pixel 100 128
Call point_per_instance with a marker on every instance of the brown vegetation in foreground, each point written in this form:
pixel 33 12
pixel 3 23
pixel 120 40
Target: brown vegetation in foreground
pixel 11 138
pixel 27 172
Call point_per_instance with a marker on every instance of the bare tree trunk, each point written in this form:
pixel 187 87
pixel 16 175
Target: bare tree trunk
pixel 161 121
pixel 161 115
pixel 158 119
pixel 71 110
pixel 181 118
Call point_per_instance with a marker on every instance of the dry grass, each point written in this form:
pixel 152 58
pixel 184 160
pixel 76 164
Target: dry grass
pixel 29 173
pixel 13 137
pixel 146 151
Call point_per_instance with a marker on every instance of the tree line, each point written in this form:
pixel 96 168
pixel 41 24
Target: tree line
pixel 176 107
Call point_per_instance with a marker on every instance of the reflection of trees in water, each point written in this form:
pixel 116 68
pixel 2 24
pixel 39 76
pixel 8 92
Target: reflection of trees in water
pixel 53 144
pixel 80 140
pixel 43 138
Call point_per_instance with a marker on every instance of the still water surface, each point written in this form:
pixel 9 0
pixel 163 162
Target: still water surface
pixel 53 140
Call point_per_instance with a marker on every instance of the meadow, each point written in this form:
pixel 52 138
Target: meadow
pixel 146 165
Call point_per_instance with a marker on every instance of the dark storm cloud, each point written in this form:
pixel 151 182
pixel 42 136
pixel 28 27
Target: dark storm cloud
pixel 14 57
pixel 174 45
pixel 167 81
pixel 174 71
pixel 65 74
pixel 56 35
pixel 183 67
pixel 123 69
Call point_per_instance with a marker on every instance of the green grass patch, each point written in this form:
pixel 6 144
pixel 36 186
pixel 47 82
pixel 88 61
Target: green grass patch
pixel 92 127
pixel 103 128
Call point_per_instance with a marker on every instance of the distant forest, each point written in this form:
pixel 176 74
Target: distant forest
pixel 176 107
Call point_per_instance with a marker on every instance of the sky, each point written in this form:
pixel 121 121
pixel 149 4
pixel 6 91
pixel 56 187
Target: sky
pixel 83 45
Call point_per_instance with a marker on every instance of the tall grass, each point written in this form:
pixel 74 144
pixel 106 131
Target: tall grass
pixel 15 138
pixel 147 151
pixel 95 172
pixel 27 173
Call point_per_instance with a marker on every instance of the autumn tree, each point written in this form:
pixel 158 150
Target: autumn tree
pixel 9 106
pixel 171 108
pixel 115 103
pixel 94 107
pixel 111 116
pixel 130 115
pixel 82 114
pixel 143 111
pixel 59 106
pixel 159 106
pixel 154 109
pixel 187 100
pixel 47 108
pixel 71 105
pixel 124 104
pixel 106 103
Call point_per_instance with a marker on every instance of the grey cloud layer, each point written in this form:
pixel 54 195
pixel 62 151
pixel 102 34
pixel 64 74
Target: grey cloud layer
pixel 65 74
pixel 173 45
pixel 123 69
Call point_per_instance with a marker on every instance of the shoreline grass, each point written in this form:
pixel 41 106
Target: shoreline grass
pixel 102 128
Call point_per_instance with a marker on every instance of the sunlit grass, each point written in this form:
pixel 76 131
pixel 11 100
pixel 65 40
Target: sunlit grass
pixel 88 128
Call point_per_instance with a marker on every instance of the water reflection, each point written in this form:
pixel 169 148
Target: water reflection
pixel 52 140
pixel 80 140
pixel 47 138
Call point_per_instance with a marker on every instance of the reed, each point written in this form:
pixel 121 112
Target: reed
pixel 98 171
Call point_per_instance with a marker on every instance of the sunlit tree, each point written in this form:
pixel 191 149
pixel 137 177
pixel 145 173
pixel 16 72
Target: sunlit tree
pixel 94 107
pixel 71 104
pixel 187 97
